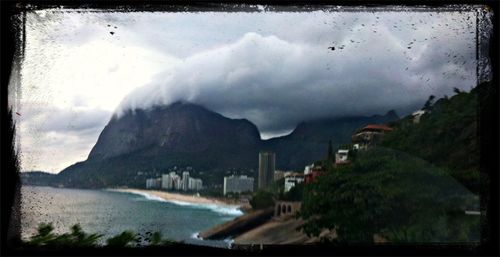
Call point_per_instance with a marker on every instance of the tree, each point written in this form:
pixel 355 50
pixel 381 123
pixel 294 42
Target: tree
pixel 126 238
pixel 385 192
pixel 446 137
pixel 77 238
pixel 295 193
pixel 262 200
pixel 330 150
pixel 157 239
pixel 428 103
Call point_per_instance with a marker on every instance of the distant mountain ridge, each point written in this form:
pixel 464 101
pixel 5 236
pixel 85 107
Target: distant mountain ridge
pixel 186 134
pixel 36 178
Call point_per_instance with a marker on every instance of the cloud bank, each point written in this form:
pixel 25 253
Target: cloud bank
pixel 277 84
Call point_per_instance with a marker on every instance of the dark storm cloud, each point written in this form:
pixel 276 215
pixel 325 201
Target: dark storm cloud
pixel 278 81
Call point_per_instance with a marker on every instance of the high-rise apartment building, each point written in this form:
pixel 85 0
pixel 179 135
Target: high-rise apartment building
pixel 267 161
pixel 185 180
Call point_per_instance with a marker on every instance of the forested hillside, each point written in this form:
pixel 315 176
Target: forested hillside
pixel 447 134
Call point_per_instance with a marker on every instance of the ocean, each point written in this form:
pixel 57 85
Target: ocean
pixel 110 213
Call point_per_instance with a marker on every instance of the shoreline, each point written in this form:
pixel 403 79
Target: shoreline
pixel 177 197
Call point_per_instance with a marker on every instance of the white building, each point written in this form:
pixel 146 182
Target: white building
pixel 308 169
pixel 170 181
pixel 195 184
pixel 292 180
pixel 177 183
pixel 166 181
pixel 279 174
pixel 185 180
pixel 153 183
pixel 234 184
pixel 416 116
pixel 341 155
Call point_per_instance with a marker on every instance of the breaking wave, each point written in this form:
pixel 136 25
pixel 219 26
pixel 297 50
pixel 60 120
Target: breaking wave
pixel 226 209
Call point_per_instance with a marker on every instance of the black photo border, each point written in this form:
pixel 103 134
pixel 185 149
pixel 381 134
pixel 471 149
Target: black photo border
pixel 9 171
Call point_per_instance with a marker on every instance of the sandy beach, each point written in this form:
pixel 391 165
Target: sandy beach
pixel 176 197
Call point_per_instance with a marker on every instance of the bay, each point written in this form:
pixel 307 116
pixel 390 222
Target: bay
pixel 110 213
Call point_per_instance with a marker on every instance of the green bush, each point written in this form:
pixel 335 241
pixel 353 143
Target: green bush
pixel 390 193
pixel 262 200
pixel 126 238
pixel 295 193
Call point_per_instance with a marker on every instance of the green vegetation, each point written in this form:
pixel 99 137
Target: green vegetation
pixel 277 187
pixel 262 200
pixel 265 198
pixel 77 238
pixel 45 237
pixel 295 193
pixel 126 238
pixel 446 136
pixel 392 194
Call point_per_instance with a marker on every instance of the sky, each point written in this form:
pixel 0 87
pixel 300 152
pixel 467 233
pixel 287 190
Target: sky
pixel 275 69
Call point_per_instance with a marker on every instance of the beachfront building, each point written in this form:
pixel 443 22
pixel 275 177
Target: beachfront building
pixel 153 183
pixel 195 184
pixel 185 180
pixel 267 162
pixel 177 183
pixel 238 184
pixel 198 184
pixel 170 181
pixel 292 180
pixel 166 181
pixel 370 135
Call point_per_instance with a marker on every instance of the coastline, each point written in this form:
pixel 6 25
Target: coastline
pixel 178 198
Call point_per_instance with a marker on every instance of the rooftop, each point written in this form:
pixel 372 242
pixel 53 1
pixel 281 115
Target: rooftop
pixel 377 127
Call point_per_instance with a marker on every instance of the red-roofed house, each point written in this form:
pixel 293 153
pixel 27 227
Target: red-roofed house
pixel 369 135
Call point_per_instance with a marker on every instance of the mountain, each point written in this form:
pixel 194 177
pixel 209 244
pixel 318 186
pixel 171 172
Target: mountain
pixel 178 128
pixel 149 141
pixel 145 143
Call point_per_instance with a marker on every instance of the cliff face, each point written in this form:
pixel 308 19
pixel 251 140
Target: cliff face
pixel 177 128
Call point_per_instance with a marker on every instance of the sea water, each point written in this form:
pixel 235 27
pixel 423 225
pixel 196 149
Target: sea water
pixel 110 213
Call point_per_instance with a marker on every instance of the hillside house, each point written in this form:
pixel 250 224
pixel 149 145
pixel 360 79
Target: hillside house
pixel 311 172
pixel 292 180
pixel 416 116
pixel 369 135
pixel 342 157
